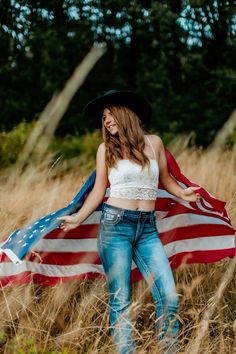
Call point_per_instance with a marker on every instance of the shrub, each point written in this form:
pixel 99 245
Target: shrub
pixel 82 148
pixel 12 142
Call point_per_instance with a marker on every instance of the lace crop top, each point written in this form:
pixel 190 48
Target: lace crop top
pixel 128 180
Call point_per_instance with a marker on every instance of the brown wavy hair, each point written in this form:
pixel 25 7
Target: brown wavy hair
pixel 129 142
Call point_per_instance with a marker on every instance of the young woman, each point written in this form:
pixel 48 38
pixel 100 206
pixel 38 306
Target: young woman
pixel 132 163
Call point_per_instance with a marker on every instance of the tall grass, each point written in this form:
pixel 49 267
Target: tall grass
pixel 73 317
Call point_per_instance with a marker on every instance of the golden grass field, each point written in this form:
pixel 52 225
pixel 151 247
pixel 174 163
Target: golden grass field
pixel 73 317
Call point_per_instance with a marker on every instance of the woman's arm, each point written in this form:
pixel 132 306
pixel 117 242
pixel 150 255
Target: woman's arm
pixel 168 182
pixel 94 198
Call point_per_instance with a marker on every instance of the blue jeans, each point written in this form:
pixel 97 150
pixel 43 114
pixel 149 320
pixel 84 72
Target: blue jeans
pixel 131 234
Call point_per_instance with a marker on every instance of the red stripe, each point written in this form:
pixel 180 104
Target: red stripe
pixel 81 232
pixel 210 256
pixel 73 258
pixel 40 279
pixel 195 231
pixel 89 231
pixel 176 261
pixel 65 258
pixel 178 233
pixel 175 171
pixel 163 204
pixel 59 258
pixel 177 209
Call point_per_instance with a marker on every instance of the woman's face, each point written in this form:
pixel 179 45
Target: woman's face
pixel 109 122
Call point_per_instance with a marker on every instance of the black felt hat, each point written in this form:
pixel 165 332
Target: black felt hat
pixel 129 99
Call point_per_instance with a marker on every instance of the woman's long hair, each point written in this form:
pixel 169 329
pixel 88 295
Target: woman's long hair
pixel 129 142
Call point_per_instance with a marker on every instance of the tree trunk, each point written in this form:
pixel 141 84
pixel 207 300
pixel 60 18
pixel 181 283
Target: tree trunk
pixel 225 132
pixel 49 119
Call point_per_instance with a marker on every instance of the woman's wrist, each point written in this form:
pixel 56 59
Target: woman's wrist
pixel 78 218
pixel 181 193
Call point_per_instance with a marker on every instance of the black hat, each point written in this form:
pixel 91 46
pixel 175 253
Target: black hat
pixel 129 99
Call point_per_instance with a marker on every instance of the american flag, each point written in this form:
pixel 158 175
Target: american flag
pixel 192 232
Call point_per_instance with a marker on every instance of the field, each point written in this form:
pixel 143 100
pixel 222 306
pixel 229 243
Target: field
pixel 73 318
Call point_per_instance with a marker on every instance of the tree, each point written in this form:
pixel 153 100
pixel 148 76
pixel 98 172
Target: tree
pixel 178 54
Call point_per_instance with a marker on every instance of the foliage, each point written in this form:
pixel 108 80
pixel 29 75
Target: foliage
pixel 178 54
pixel 77 149
pixel 232 140
pixel 12 142
pixel 83 147
pixel 21 344
pixel 74 145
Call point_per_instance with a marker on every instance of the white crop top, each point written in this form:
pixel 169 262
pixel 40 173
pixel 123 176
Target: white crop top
pixel 128 180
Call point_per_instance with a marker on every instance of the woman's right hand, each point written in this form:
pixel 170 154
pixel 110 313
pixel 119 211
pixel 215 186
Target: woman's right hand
pixel 69 222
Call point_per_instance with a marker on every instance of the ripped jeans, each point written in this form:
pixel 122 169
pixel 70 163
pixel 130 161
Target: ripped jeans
pixel 131 234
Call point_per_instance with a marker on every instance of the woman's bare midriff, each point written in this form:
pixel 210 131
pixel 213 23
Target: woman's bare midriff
pixel 132 204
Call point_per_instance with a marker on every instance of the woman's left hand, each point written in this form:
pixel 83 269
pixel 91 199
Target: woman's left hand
pixel 190 195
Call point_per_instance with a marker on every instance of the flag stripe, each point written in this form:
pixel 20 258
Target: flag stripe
pixel 193 231
pixel 65 253
pixel 167 226
pixel 181 232
pixel 49 279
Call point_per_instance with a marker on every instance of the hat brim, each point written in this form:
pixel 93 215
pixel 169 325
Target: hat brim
pixel 129 99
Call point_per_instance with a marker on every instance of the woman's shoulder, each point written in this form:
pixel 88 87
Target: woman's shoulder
pixel 154 139
pixel 101 149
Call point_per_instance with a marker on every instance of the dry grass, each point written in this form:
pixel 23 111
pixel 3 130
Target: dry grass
pixel 73 317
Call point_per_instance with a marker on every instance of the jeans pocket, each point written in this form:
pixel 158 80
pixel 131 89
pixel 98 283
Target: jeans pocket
pixel 110 218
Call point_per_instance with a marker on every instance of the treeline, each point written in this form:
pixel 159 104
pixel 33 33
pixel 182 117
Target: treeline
pixel 179 54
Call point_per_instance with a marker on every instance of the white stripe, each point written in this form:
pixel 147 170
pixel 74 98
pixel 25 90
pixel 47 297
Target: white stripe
pixel 63 245
pixel 7 269
pixel 161 214
pixel 90 245
pixel 94 218
pixel 200 244
pixel 11 255
pixel 219 243
pixel 179 220
pixel 107 194
pixel 172 222
pixel 162 193
pixel 201 207
pixel 208 204
pixel 215 243
pixel 185 220
pixel 167 224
